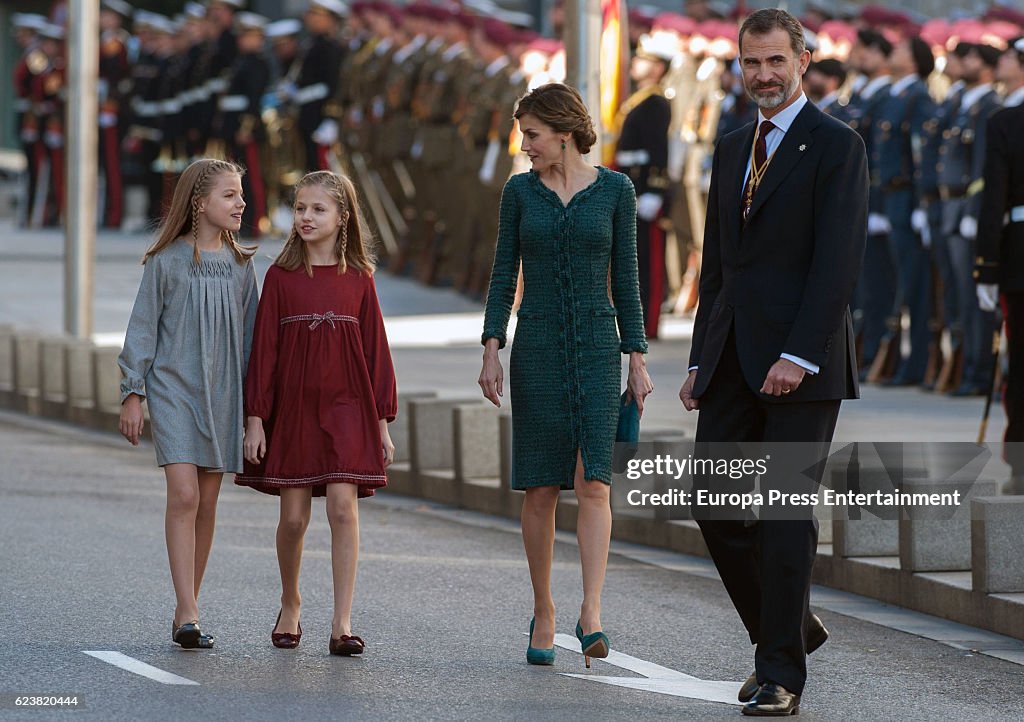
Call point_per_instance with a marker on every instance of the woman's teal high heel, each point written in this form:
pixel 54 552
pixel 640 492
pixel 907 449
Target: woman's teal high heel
pixel 595 644
pixel 539 656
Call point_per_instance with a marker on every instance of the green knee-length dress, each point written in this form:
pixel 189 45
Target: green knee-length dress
pixel 565 369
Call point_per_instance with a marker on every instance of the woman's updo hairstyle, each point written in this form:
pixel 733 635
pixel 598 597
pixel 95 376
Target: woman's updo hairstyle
pixel 561 108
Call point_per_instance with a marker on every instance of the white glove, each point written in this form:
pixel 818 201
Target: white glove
pixel 878 224
pixel 926 236
pixel 486 174
pixel 648 205
pixel 988 295
pixel 919 220
pixel 969 227
pixel 326 133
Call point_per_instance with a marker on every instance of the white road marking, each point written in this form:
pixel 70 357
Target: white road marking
pixel 141 668
pixel 655 677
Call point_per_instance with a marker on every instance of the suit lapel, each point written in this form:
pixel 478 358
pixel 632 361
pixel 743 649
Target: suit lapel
pixel 793 147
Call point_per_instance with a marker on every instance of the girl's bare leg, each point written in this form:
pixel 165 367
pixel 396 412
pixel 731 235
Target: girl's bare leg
pixel 291 531
pixel 343 516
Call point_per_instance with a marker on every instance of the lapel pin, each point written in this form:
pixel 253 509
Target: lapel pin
pixel 803 147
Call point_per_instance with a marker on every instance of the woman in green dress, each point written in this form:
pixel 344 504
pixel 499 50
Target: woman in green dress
pixel 573 227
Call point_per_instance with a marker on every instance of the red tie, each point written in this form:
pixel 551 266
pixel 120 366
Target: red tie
pixel 757 166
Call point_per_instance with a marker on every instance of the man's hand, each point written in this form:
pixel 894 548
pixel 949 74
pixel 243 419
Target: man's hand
pixel 686 392
pixel 783 378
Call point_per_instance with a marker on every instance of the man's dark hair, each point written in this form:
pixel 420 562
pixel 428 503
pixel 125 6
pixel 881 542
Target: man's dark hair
pixel 764 21
pixel 924 60
pixel 873 39
pixel 988 54
pixel 831 68
pixel 962 49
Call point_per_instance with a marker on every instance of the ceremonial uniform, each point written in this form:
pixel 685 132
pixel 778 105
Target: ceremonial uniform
pixel 896 141
pixel 642 154
pixel 962 158
pixel 1000 257
pixel 316 83
pixel 32 62
pixel 114 71
pixel 240 126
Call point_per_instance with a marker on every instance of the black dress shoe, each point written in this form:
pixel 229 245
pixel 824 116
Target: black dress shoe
pixel 967 389
pixel 815 635
pixel 749 689
pixel 187 635
pixel 772 700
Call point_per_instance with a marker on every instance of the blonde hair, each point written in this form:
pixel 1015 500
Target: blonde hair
pixel 195 183
pixel 353 244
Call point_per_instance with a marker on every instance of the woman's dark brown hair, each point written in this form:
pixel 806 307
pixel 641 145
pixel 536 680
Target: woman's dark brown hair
pixel 561 108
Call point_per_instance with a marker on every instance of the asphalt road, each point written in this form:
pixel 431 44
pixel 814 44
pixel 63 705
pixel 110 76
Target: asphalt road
pixel 443 602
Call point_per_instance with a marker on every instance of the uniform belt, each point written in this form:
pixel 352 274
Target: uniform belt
pixel 22 105
pixel 308 94
pixel 947 193
pixel 233 103
pixel 1017 214
pixel 632 157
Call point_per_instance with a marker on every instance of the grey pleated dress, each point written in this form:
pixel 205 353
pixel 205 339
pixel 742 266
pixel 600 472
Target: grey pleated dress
pixel 186 352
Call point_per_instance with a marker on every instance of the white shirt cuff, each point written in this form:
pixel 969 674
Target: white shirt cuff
pixel 802 363
pixel 692 368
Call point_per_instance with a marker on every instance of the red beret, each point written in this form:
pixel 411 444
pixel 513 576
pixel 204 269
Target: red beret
pixel 640 19
pixel 838 30
pixel 678 23
pixel 935 32
pixel 1006 14
pixel 497 32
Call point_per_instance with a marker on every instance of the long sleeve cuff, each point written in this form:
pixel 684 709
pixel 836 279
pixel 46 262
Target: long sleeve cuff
pixel 493 333
pixel 133 385
pixel 802 363
pixel 639 346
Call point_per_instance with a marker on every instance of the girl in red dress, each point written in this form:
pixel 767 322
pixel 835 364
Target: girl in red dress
pixel 319 393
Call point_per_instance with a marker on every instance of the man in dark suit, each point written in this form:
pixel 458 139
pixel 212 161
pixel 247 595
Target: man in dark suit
pixel 772 354
pixel 999 269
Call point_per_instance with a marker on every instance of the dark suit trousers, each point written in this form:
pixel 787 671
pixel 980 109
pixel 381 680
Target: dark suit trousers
pixel 765 566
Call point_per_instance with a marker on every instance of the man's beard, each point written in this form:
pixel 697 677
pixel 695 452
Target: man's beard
pixel 774 100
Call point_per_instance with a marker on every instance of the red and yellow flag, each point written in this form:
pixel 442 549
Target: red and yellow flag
pixel 614 70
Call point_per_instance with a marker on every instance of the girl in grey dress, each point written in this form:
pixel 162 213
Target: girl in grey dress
pixel 185 352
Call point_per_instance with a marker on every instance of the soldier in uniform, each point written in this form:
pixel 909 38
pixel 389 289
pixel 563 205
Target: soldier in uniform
pixel 441 105
pixel 485 131
pixel 47 95
pixel 876 289
pixel 32 62
pixel 220 14
pixel 142 141
pixel 239 123
pixel 927 222
pixel 318 80
pixel 287 151
pixel 397 131
pixel 423 153
pixel 962 158
pixel 114 70
pixel 999 267
pixel 897 137
pixel 642 154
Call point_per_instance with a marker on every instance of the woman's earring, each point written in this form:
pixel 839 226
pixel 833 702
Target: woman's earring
pixel 563 145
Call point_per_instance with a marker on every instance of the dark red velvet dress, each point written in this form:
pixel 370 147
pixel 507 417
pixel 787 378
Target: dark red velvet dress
pixel 321 377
